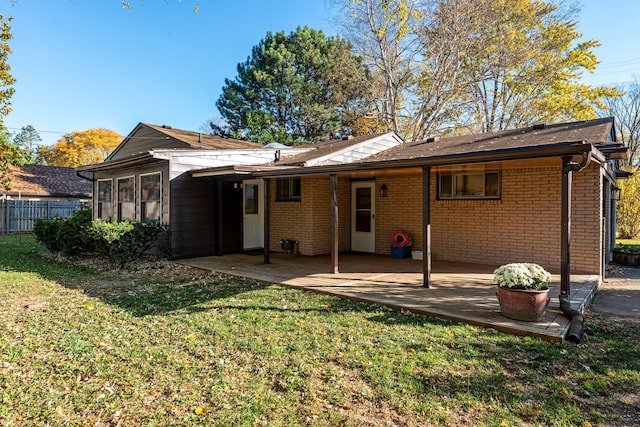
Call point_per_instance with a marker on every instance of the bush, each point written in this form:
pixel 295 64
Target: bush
pixel 127 241
pixel 122 242
pixel 67 235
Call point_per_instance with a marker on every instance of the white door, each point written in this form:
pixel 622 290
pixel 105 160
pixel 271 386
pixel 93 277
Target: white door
pixel 253 214
pixel 363 216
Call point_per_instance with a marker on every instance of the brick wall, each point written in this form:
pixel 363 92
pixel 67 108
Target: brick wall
pixel 523 226
pixel 309 220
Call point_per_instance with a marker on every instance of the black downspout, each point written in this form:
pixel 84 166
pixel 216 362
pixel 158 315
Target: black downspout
pixel 574 334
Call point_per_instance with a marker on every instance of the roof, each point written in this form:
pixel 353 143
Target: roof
pixel 145 137
pixel 41 180
pixel 345 150
pixel 199 140
pixel 531 142
pixel 598 132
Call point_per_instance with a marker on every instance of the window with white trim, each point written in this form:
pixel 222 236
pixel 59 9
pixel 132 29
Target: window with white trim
pixel 126 198
pixel 151 197
pixel 105 199
pixel 469 185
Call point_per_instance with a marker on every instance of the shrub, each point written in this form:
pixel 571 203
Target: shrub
pixel 127 241
pixel 122 242
pixel 67 235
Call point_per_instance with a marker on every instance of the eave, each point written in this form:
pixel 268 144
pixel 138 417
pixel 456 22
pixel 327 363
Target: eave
pixel 520 153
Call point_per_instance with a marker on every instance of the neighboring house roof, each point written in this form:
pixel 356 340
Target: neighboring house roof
pixel 530 142
pixel 52 181
pixel 145 137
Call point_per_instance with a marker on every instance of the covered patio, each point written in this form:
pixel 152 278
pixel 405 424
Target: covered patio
pixel 458 292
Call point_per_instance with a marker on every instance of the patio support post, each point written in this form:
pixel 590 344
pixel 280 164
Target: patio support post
pixel 334 223
pixel 266 242
pixel 220 222
pixel 426 224
pixel 565 228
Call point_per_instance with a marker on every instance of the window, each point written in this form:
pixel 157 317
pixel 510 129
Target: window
pixel 251 199
pixel 105 199
pixel 469 185
pixel 150 197
pixel 289 189
pixel 126 199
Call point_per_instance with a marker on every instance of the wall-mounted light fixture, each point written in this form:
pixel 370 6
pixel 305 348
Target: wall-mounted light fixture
pixel 383 190
pixel 616 192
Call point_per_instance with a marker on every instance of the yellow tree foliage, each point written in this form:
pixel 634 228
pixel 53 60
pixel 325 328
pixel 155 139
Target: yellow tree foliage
pixel 628 207
pixel 81 148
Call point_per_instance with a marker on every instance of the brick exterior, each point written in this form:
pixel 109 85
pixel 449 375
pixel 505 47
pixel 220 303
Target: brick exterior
pixel 523 226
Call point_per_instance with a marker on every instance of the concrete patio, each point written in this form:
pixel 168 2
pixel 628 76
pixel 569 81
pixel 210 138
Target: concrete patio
pixel 458 292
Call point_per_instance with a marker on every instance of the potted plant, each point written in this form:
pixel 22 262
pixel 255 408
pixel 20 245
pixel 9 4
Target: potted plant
pixel 400 244
pixel 523 291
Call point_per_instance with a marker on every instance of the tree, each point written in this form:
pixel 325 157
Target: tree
pixel 526 66
pixel 301 87
pixel 626 110
pixel 628 207
pixel 475 65
pixel 9 154
pixel 81 148
pixel 26 140
pixel 383 33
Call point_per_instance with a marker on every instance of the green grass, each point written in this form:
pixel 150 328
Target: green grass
pixel 162 346
pixel 630 245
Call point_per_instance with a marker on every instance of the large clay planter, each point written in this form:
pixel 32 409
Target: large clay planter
pixel 521 304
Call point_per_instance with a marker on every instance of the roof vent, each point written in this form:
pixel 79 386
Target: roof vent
pixel 433 139
pixel 166 127
pixel 539 126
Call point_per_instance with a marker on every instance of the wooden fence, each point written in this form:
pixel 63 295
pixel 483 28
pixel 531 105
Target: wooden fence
pixel 18 216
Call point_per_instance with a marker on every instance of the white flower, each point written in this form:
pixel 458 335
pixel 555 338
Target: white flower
pixel 522 276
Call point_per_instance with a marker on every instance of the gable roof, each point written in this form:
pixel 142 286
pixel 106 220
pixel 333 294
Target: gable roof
pixel 41 180
pixel 145 137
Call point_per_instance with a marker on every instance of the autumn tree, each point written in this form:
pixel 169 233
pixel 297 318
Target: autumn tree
pixel 9 155
pixel 81 148
pixel 476 65
pixel 383 33
pixel 295 88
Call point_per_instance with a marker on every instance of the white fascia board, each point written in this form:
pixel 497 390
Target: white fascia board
pixel 181 161
pixel 358 151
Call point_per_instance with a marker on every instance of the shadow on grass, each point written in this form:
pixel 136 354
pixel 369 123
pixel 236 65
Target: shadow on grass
pixel 148 292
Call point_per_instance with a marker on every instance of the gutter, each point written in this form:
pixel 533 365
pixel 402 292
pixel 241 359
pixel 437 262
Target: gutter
pixel 563 149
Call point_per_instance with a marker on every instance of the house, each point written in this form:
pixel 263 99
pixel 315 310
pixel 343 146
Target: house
pixel 541 194
pixel 40 192
pixel 155 174
pixel 40 182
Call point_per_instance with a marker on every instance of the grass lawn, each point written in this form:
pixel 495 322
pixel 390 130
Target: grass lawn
pixel 166 345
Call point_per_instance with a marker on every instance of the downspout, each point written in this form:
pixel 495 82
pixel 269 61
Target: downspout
pixel 574 334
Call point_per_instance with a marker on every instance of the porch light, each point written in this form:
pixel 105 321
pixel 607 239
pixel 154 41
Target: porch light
pixel 383 190
pixel 617 191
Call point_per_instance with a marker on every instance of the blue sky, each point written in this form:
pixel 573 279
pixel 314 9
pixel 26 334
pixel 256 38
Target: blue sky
pixel 84 64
